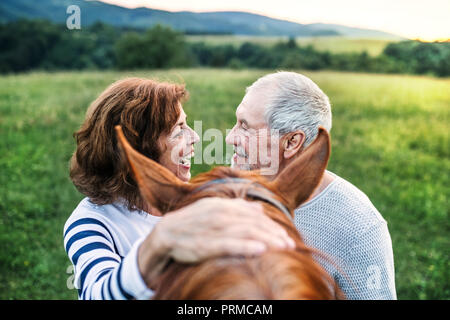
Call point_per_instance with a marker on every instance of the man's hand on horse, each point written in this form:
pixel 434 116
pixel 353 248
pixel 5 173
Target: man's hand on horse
pixel 208 228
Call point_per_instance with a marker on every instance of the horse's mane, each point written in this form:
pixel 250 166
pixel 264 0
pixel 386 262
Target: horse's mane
pixel 276 274
pixel 227 172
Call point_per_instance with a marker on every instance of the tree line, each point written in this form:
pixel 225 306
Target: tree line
pixel 39 44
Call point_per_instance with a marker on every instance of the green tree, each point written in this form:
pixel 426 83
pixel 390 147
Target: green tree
pixel 131 51
pixel 24 44
pixel 158 47
pixel 222 55
pixel 420 57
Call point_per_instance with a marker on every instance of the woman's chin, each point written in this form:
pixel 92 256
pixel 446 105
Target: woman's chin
pixel 184 172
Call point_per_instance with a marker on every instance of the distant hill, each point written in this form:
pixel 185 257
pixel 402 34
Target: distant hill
pixel 238 23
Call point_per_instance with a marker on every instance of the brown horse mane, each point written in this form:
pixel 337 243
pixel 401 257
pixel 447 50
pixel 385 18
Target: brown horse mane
pixel 276 274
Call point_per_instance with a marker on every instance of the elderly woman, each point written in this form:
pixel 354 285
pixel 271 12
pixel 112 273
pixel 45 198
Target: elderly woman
pixel 116 242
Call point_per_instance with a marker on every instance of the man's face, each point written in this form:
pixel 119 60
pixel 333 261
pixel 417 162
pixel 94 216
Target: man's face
pixel 254 145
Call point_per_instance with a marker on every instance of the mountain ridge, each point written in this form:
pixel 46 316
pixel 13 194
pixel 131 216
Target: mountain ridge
pixel 229 22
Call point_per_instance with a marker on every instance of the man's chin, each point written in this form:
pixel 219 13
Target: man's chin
pixel 241 166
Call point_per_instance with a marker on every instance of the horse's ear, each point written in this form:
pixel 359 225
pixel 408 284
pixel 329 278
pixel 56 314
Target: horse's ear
pixel 299 179
pixel 159 187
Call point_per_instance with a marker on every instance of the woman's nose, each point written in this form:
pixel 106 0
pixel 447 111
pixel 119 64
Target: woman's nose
pixel 193 136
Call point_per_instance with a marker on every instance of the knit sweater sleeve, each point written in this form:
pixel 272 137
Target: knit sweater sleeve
pixel 369 268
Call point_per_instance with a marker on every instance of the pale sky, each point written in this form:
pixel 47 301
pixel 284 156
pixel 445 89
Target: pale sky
pixel 424 19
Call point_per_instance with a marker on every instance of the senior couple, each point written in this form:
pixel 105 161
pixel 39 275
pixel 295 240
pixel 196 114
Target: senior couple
pixel 118 244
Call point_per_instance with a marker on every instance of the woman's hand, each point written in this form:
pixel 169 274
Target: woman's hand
pixel 210 227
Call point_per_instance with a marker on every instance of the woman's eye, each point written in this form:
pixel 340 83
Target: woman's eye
pixel 181 132
pixel 177 134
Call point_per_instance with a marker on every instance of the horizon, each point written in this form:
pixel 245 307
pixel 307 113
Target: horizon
pixel 409 19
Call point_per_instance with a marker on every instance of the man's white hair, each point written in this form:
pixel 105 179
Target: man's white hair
pixel 294 102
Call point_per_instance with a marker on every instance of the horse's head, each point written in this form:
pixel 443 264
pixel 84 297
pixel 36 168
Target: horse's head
pixel 276 274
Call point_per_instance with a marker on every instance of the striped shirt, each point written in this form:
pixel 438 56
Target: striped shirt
pixel 102 243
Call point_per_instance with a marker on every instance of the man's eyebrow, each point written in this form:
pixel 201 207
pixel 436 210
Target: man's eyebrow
pixel 241 120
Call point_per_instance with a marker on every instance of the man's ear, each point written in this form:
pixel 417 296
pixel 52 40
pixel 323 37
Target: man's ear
pixel 159 187
pixel 292 143
pixel 299 179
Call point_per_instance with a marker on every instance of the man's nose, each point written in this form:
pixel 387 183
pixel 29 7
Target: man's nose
pixel 232 138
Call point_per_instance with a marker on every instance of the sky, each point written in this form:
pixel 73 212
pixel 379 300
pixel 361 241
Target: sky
pixel 427 20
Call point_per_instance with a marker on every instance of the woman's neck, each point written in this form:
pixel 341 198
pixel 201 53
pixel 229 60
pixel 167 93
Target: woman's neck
pixel 151 210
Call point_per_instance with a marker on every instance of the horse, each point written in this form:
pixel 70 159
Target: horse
pixel 275 274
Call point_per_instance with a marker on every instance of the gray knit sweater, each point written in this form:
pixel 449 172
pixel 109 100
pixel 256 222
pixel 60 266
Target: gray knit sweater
pixel 342 223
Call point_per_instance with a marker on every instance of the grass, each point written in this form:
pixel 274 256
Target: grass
pixel 389 138
pixel 334 44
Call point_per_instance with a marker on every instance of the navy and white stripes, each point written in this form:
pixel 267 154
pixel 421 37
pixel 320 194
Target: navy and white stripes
pixel 92 236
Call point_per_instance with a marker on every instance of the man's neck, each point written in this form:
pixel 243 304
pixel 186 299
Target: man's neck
pixel 326 180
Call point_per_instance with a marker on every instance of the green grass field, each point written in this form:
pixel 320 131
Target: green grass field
pixel 334 44
pixel 389 138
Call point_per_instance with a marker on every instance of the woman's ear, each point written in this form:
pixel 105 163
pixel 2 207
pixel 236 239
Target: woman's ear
pixel 292 143
pixel 159 187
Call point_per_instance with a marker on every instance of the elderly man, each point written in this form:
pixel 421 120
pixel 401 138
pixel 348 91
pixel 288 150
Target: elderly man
pixel 338 219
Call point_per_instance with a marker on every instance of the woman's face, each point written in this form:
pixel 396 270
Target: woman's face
pixel 178 148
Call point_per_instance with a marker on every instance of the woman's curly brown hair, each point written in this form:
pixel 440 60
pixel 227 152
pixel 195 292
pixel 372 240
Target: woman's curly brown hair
pixel 145 109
